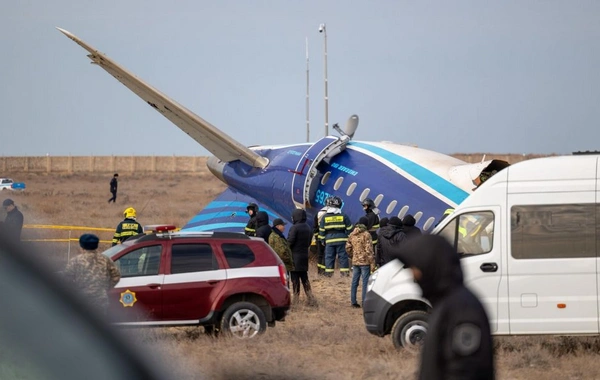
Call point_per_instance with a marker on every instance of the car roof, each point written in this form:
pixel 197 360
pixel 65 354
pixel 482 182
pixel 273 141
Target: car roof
pixel 192 234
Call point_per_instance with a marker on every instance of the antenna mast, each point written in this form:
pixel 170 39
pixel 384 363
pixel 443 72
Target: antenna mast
pixel 307 96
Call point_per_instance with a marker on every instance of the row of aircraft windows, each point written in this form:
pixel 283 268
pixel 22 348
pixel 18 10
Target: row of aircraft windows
pixel 389 209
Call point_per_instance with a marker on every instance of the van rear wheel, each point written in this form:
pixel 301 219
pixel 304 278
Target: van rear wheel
pixel 410 329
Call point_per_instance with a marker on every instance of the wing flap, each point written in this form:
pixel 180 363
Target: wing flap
pixel 214 140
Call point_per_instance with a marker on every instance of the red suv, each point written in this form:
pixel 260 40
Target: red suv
pixel 224 281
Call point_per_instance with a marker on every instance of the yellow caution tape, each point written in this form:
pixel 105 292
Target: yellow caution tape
pixel 43 226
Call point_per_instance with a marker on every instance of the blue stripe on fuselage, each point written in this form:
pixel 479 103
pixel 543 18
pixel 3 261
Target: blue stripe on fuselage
pixel 439 184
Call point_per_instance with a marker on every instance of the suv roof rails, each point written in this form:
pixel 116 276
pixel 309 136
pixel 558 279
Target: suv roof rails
pixel 218 235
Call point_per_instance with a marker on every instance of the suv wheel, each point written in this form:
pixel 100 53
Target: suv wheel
pixel 410 329
pixel 243 320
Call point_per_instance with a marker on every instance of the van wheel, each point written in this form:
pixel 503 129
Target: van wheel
pixel 243 320
pixel 410 329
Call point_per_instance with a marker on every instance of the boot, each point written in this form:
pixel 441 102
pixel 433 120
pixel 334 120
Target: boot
pixel 312 301
pixel 295 298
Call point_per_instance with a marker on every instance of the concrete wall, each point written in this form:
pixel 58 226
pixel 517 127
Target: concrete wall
pixel 102 164
pixel 189 164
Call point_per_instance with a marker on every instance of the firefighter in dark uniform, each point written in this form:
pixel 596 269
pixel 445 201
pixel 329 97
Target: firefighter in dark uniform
pixel 251 210
pixel 372 218
pixel 128 227
pixel 333 230
pixel 458 344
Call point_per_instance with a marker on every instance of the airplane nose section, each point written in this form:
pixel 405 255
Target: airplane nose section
pixel 216 167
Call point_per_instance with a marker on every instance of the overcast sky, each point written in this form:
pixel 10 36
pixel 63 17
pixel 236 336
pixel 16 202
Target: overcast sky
pixel 451 76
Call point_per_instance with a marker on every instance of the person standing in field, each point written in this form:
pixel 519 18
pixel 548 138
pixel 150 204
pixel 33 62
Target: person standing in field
pixel 299 237
pixel 113 188
pixel 251 210
pixel 280 245
pixel 92 273
pixel 360 249
pixel 128 227
pixel 13 224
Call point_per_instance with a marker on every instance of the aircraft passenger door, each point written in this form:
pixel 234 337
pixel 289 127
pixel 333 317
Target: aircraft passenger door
pixel 477 238
pixel 552 263
pixel 305 172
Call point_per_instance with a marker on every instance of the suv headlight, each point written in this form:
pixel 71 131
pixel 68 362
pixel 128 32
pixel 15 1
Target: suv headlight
pixel 372 279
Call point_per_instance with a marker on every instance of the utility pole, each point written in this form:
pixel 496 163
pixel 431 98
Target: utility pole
pixel 307 95
pixel 323 29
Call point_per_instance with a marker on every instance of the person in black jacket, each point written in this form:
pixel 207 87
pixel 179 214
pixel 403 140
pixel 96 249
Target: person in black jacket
pixel 13 224
pixel 391 238
pixel 113 188
pixel 458 344
pixel 263 229
pixel 409 228
pixel 251 210
pixel 299 238
pixel 372 219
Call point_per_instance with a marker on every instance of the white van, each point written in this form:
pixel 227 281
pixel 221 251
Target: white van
pixel 529 241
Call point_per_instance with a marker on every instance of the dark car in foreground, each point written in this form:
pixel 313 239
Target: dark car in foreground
pixel 226 282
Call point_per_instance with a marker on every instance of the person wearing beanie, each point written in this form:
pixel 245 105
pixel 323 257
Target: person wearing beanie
pixel 360 249
pixel 391 239
pixel 92 273
pixel 409 228
pixel 383 222
pixel 263 229
pixel 13 224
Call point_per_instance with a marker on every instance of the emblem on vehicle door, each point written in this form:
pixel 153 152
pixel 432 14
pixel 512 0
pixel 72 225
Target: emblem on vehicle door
pixel 128 298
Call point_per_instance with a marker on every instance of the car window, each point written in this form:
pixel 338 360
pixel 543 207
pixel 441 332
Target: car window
pixel 472 234
pixel 140 262
pixel 238 255
pixel 192 258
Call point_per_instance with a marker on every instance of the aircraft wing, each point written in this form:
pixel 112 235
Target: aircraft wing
pixel 214 140
pixel 227 212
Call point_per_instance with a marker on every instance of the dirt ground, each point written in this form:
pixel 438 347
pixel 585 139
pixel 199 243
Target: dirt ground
pixel 327 342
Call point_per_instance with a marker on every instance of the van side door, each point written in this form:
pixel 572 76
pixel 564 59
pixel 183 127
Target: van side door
pixel 476 235
pixel 552 262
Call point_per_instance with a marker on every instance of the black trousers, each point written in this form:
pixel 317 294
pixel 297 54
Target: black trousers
pixel 296 278
pixel 114 197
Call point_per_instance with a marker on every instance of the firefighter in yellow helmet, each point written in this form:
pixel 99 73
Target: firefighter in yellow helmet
pixel 128 227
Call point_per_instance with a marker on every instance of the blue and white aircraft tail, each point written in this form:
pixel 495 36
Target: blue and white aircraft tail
pixel 400 179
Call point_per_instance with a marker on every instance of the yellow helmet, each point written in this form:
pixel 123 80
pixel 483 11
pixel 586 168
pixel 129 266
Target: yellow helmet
pixel 129 213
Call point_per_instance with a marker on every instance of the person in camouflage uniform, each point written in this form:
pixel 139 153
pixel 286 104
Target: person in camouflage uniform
pixel 92 273
pixel 280 245
pixel 360 249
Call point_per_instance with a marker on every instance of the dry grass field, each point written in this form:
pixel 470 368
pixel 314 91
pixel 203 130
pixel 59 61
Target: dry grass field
pixel 328 342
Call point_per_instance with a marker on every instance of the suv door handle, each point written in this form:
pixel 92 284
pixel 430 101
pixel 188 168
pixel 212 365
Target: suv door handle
pixel 489 267
pixel 153 286
pixel 213 282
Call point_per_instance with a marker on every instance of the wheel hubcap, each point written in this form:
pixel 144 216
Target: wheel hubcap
pixel 414 335
pixel 244 324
